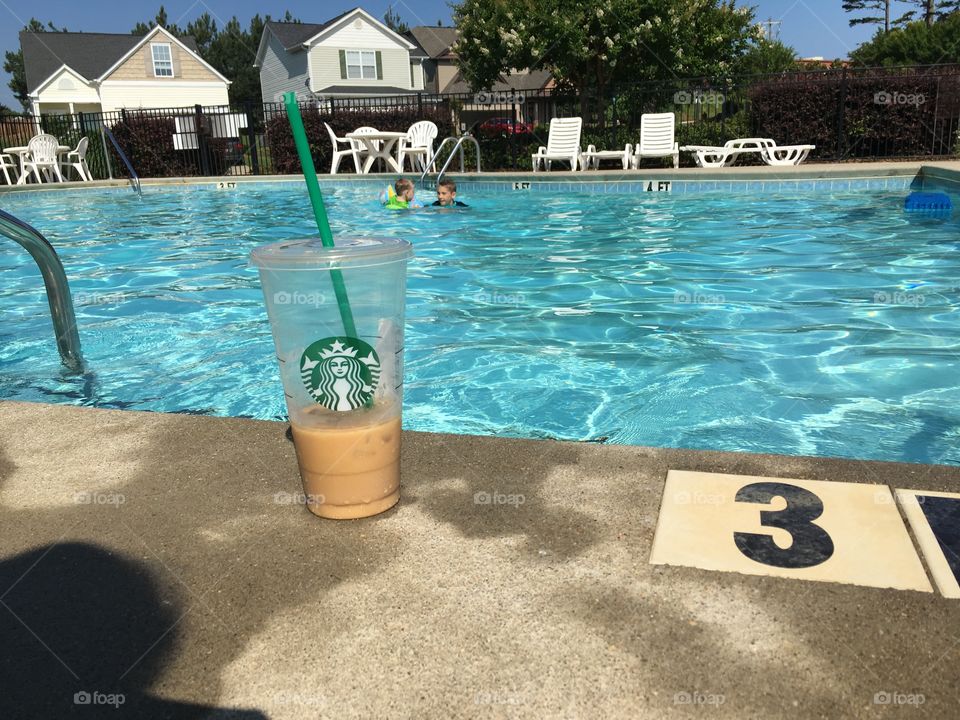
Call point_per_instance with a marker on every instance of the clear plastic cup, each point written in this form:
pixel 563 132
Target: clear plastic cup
pixel 344 393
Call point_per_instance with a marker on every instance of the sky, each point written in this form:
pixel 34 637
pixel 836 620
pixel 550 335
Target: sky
pixel 811 27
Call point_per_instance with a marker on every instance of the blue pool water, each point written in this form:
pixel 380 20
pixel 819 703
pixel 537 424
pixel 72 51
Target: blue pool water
pixel 801 323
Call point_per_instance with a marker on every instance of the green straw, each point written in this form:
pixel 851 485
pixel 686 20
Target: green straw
pixel 319 211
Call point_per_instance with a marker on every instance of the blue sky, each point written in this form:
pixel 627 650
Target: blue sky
pixel 812 27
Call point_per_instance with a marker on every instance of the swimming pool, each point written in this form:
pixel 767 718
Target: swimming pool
pixel 800 322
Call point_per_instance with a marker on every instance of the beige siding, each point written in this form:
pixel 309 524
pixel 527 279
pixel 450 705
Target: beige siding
pixel 358 34
pixel 155 95
pixel 68 87
pixel 446 71
pixel 139 66
pixel 325 68
pixel 281 71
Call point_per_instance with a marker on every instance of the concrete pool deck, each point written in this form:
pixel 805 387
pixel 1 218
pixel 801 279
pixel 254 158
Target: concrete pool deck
pixel 165 557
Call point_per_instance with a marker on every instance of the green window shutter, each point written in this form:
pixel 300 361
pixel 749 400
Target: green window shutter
pixel 343 64
pixel 379 66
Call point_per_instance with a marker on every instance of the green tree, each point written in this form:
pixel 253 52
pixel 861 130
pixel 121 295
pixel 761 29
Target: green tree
pixel 594 46
pixel 392 20
pixel 914 44
pixel 13 63
pixel 160 19
pixel 203 30
pixel 766 56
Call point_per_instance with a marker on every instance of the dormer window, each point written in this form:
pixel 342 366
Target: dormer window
pixel 162 60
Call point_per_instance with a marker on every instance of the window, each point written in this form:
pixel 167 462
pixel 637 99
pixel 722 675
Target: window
pixel 162 60
pixel 361 64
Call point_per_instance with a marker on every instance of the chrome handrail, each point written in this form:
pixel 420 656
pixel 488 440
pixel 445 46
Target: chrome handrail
pixel 458 145
pixel 134 178
pixel 55 280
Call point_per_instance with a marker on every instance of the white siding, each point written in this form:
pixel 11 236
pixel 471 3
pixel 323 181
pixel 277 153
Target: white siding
pixel 114 95
pixel 358 34
pixel 68 87
pixel 281 71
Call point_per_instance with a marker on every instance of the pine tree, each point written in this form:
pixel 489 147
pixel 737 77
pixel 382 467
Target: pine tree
pixel 869 6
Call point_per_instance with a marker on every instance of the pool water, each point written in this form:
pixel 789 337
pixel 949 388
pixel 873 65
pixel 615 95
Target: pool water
pixel 802 323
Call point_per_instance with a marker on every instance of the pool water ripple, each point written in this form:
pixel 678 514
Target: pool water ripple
pixel 797 323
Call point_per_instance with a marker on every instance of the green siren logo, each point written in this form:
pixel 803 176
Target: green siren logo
pixel 340 373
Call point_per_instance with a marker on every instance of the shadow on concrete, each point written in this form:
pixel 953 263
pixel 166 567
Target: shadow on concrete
pixel 503 494
pixel 201 517
pixel 85 633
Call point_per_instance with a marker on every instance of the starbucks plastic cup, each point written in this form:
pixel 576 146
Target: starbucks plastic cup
pixel 344 391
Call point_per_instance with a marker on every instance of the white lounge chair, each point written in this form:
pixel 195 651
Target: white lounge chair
pixel 657 138
pixel 714 156
pixel 77 159
pixel 418 145
pixel 43 156
pixel 563 143
pixel 591 157
pixel 338 155
pixel 7 164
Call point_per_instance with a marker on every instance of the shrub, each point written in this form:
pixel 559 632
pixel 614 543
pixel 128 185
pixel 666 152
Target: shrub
pixel 884 115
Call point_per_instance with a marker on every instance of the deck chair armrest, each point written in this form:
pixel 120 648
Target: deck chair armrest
pixel 628 149
pixel 591 148
pixel 542 150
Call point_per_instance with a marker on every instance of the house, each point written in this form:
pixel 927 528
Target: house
pixel 99 72
pixel 353 54
pixel 440 65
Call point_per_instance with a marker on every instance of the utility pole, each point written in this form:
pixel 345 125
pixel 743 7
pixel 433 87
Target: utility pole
pixel 767 28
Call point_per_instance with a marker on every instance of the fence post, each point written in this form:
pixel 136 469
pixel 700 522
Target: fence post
pixel 252 138
pixel 201 140
pixel 419 104
pixel 82 124
pixel 841 115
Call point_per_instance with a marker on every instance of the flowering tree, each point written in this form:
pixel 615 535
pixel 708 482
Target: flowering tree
pixel 597 44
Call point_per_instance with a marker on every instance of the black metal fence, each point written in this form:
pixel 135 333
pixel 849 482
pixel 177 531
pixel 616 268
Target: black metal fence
pixel 849 114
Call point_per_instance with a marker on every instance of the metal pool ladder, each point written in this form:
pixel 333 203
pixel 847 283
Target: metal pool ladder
pixel 55 280
pixel 458 145
pixel 134 178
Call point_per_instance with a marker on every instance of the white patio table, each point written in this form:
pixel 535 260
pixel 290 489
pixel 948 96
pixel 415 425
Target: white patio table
pixel 21 151
pixel 386 141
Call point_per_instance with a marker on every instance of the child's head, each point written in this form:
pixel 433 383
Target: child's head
pixel 446 192
pixel 404 189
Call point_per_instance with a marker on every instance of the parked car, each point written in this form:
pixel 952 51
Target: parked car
pixel 503 126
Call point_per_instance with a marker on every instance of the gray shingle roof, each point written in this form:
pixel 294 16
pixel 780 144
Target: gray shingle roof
pixel 534 80
pixel 90 54
pixel 364 90
pixel 436 41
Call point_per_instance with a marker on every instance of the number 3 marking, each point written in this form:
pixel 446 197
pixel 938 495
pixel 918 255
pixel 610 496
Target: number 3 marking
pixel 811 544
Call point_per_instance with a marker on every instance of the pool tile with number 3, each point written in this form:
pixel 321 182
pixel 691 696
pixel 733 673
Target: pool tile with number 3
pixel 804 529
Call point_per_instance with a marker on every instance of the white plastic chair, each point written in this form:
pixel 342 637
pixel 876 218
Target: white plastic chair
pixel 7 164
pixel 360 152
pixel 657 138
pixel 77 159
pixel 563 143
pixel 43 156
pixel 338 155
pixel 417 143
pixel 714 156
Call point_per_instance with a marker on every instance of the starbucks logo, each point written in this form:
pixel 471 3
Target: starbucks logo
pixel 340 373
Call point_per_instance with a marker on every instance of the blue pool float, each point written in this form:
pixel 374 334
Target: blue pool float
pixel 928 202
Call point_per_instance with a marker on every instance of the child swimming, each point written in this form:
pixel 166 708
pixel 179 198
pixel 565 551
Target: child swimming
pixel 447 195
pixel 401 196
